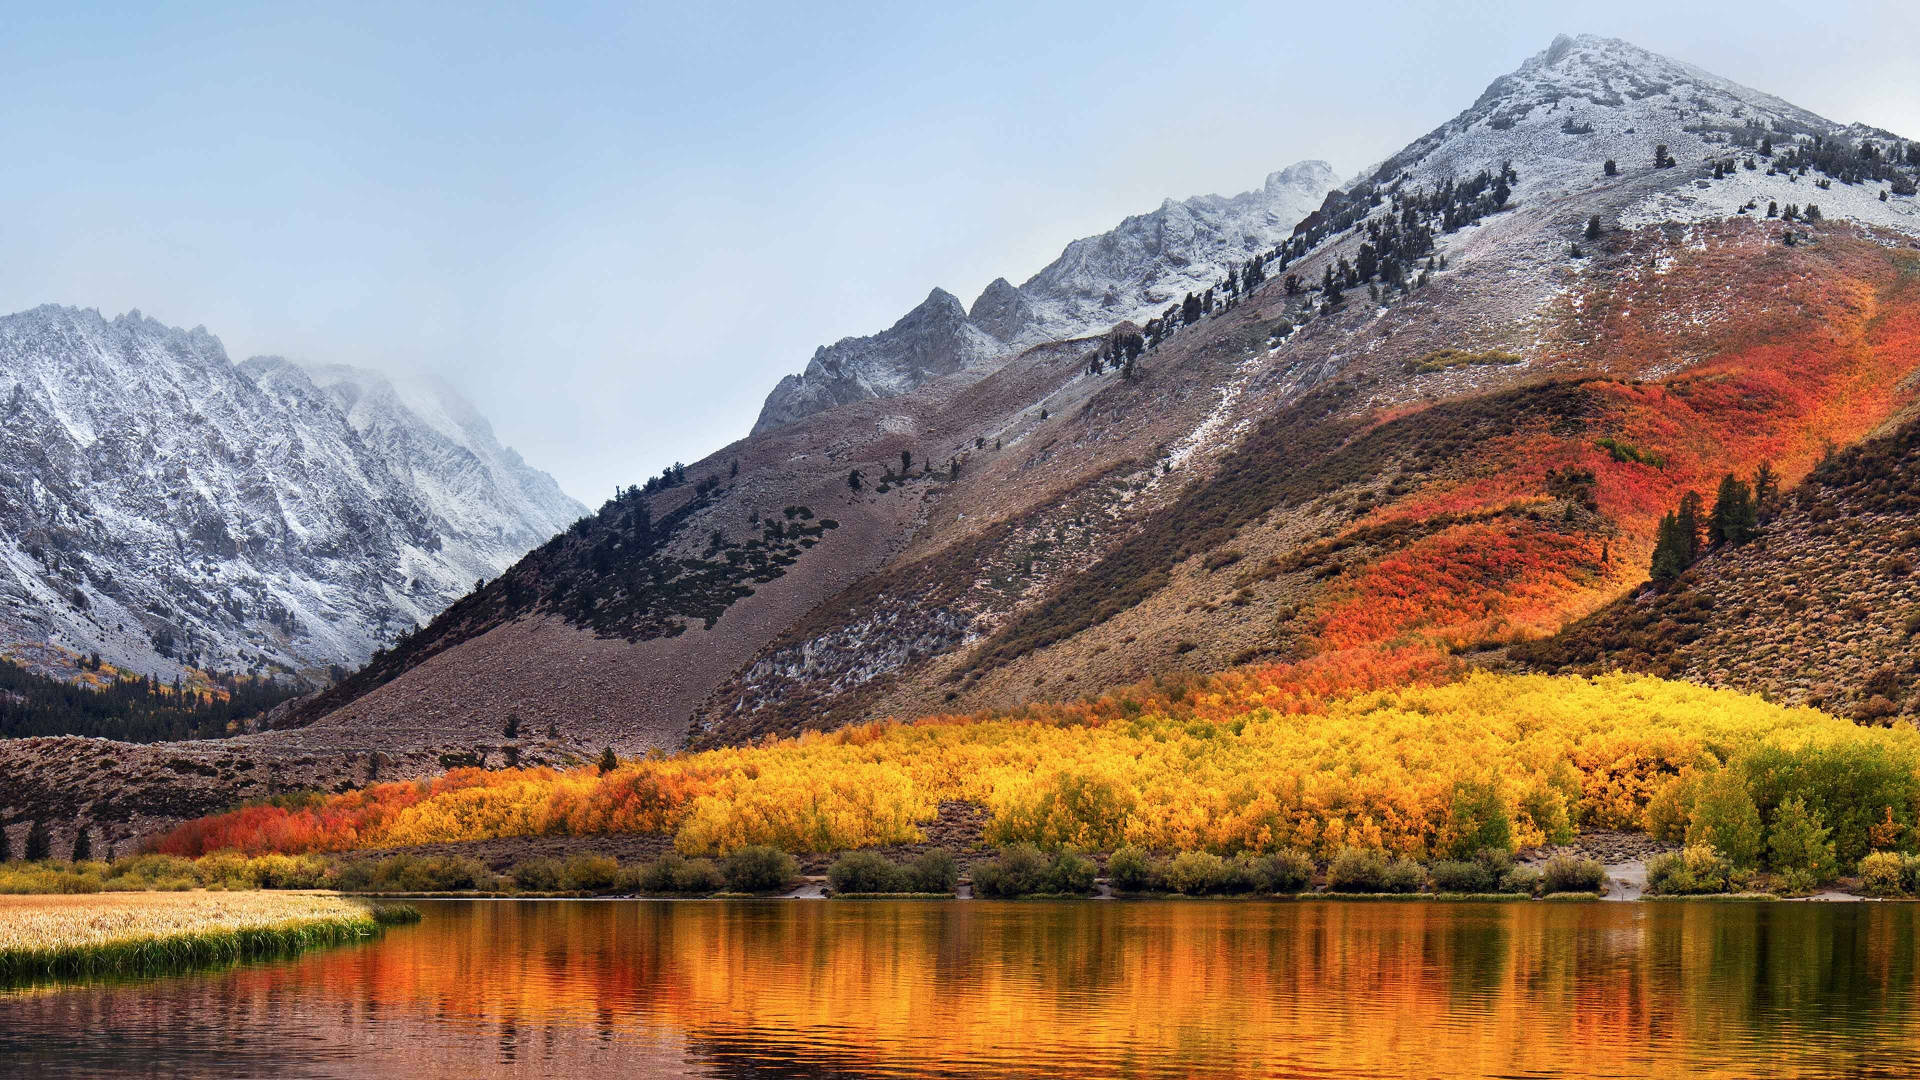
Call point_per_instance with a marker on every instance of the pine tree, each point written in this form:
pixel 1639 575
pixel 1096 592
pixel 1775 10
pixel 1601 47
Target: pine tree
pixel 906 462
pixel 1688 522
pixel 608 762
pixel 1593 227
pixel 1669 561
pixel 853 479
pixel 83 844
pixel 1733 515
pixel 39 842
pixel 1766 491
pixel 6 846
pixel 1612 169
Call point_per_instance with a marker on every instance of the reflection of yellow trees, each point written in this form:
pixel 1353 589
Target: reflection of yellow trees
pixel 1203 989
pixel 1234 766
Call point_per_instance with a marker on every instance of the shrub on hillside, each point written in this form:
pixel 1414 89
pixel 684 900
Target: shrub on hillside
pixel 1885 873
pixel 1696 870
pixel 1570 873
pixel 1132 870
pixel 933 871
pixel 227 870
pixel 1288 871
pixel 1197 873
pixel 1455 876
pixel 1725 818
pixel 760 869
pixel 1024 870
pixel 1369 870
pixel 591 873
pixel 1797 846
pixel 536 875
pixel 865 872
pixel 676 874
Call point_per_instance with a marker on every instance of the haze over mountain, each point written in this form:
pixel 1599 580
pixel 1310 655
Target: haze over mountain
pixel 166 508
pixel 1440 415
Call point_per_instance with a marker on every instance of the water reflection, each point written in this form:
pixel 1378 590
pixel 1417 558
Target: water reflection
pixel 792 989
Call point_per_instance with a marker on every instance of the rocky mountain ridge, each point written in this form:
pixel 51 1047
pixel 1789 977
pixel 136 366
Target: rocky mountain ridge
pixel 166 508
pixel 1130 273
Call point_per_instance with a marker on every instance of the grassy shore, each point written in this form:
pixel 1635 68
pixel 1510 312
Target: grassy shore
pixel 128 933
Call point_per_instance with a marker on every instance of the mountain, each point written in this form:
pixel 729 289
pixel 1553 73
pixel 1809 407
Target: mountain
pixel 166 508
pixel 1437 418
pixel 1126 275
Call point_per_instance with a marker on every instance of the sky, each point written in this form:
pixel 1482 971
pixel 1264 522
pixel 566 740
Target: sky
pixel 616 227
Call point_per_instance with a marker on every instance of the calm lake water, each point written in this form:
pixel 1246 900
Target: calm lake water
pixel 1091 989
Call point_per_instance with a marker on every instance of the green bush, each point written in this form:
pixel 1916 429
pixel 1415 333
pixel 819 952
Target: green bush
pixel 1852 786
pixel 1725 818
pixel 1884 873
pixel 1455 876
pixel 1694 871
pixel 1019 870
pixel 1288 871
pixel 1798 846
pixel 1569 873
pixel 1131 870
pixel 159 873
pixel 1072 873
pixel 760 869
pixel 536 875
pixel 677 874
pixel 293 871
pixel 424 873
pixel 591 873
pixel 1197 873
pixel 227 870
pixel 1521 880
pixel 1358 870
pixel 1478 819
pixel 933 871
pixel 866 872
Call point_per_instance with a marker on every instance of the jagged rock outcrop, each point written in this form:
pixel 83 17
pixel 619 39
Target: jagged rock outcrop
pixel 165 507
pixel 1132 272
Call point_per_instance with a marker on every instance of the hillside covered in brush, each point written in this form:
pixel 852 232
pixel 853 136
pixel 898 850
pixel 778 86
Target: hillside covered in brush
pixel 1443 415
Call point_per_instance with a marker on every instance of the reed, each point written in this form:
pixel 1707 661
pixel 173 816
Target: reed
pixel 144 933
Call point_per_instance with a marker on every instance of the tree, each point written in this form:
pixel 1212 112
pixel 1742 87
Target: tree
pixel 6 846
pixel 1669 558
pixel 1662 159
pixel 513 725
pixel 39 842
pixel 734 469
pixel 608 762
pixel 1612 169
pixel 1798 845
pixel 1766 491
pixel 1725 818
pixel 853 479
pixel 906 462
pixel 1593 227
pixel 83 844
pixel 1733 518
pixel 1688 519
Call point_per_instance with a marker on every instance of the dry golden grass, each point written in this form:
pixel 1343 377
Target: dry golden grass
pixel 53 922
pixel 113 932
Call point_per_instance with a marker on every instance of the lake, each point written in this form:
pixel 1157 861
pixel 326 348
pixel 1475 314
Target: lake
pixel 975 989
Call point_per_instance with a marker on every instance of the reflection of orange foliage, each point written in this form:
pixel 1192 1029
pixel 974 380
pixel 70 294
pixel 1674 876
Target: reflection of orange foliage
pixel 1249 761
pixel 1116 989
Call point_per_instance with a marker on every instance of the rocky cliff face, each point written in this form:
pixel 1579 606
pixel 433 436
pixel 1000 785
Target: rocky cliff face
pixel 1131 273
pixel 164 507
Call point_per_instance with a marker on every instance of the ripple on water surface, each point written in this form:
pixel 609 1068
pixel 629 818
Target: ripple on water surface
pixel 800 989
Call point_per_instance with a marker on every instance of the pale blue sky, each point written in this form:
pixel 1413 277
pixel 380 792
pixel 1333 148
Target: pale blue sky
pixel 616 226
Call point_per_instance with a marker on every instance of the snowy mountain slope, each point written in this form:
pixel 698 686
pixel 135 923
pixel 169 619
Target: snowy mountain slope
pixel 165 507
pixel 1129 273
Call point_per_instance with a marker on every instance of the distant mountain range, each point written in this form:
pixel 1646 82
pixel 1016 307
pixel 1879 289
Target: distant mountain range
pixel 166 508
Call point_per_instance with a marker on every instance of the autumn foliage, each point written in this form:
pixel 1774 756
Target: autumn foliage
pixel 1247 762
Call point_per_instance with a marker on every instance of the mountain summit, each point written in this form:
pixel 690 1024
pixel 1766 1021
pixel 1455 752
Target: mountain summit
pixel 1128 274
